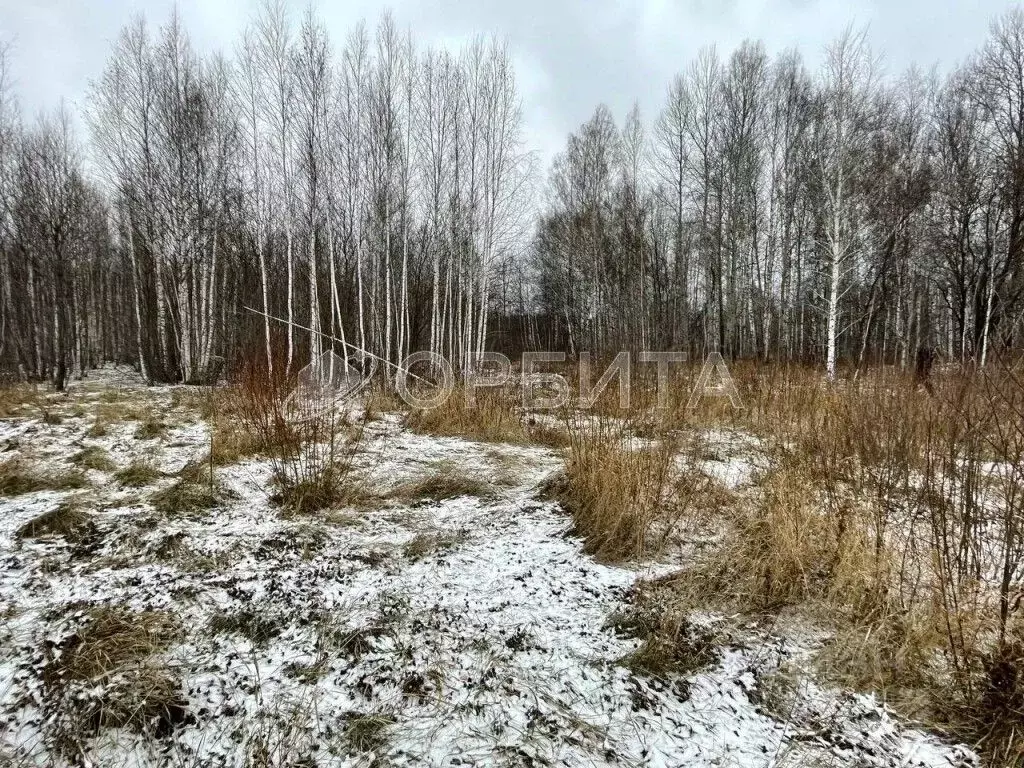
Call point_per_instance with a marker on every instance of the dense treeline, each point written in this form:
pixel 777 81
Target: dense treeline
pixel 373 194
pixel 381 195
pixel 776 213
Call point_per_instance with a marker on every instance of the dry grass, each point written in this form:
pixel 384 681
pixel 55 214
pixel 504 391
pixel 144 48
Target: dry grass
pixel 669 643
pixel 231 443
pixel 150 699
pixel 424 544
pixel 334 488
pixel 115 411
pixel 105 675
pixel 99 428
pixel 231 438
pixel 150 428
pixel 49 416
pixel 93 457
pixel 303 497
pixel 380 400
pixel 256 626
pixel 201 401
pixel 495 417
pixel 17 479
pixel 18 400
pixel 138 474
pixel 367 732
pixel 196 491
pixel 548 435
pixel 68 520
pixel 893 516
pixel 335 637
pixel 788 545
pixel 624 500
pixel 176 548
pixel 288 733
pixel 115 395
pixel 307 439
pixel 111 637
pixel 189 496
pixel 895 656
pixel 446 483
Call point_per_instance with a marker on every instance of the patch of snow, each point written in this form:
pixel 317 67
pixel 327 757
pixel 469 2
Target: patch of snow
pixel 491 648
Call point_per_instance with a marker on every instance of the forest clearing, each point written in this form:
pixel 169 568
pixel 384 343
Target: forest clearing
pixel 442 390
pixel 189 582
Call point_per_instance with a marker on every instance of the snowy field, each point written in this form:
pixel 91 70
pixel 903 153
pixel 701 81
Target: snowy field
pixel 467 631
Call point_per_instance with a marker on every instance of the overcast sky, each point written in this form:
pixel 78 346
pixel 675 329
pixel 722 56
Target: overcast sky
pixel 570 54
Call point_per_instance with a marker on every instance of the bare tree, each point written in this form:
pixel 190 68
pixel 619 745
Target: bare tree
pixel 848 77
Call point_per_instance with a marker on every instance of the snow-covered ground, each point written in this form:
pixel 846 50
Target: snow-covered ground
pixel 472 631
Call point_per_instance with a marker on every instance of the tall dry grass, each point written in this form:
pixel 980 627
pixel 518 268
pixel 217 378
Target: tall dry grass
pixel 896 514
pixel 614 492
pixel 891 512
pixel 306 437
pixel 490 415
pixel 627 495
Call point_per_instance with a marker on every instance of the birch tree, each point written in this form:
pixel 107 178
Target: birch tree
pixel 848 77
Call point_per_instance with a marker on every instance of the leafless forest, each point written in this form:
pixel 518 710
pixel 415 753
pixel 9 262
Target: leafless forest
pixel 221 549
pixel 385 195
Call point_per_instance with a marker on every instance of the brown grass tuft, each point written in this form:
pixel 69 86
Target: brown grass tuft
pixel 446 483
pixel 18 399
pixel 68 520
pixel 893 516
pixel 425 544
pixel 380 400
pixel 894 655
pixel 17 479
pixel 307 439
pixel 137 474
pixel 367 732
pixel 104 675
pixel 256 626
pixel 93 457
pixel 494 417
pixel 150 428
pixel 795 544
pixel 670 644
pixel 330 489
pixel 623 499
pixel 232 438
pixel 187 496
pixel 117 412
pixel 99 428
pixel 112 637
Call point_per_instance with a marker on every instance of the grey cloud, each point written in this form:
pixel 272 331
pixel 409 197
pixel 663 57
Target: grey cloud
pixel 571 54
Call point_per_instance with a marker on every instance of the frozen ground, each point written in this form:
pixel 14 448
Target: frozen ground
pixel 472 631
